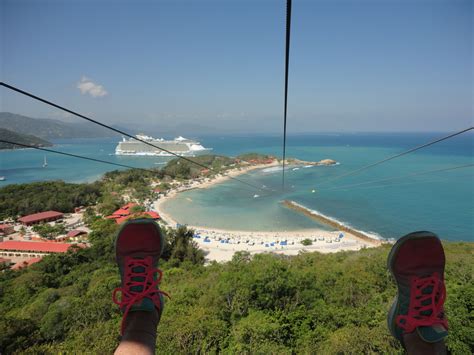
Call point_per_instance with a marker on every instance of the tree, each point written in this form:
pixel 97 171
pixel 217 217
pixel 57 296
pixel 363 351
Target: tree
pixel 137 209
pixel 180 247
pixel 49 231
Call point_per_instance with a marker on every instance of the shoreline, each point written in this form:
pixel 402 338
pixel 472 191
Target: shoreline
pixel 221 244
pixel 157 204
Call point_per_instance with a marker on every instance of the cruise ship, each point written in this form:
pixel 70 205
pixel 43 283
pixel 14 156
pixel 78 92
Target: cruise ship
pixel 180 146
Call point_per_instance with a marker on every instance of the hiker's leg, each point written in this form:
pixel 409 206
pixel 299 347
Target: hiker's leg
pixel 138 249
pixel 139 335
pixel 415 345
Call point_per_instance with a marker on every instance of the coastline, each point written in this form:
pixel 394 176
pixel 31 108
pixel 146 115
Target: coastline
pixel 157 204
pixel 221 244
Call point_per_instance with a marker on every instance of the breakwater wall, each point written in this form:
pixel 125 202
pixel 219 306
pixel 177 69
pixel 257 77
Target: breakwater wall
pixel 330 221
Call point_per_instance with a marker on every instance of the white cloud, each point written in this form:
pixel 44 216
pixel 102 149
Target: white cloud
pixel 87 86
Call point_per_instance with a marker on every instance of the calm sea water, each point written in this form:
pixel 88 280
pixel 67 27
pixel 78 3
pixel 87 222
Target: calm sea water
pixel 442 202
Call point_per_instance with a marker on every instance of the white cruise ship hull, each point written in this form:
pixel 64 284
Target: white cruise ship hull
pixel 179 146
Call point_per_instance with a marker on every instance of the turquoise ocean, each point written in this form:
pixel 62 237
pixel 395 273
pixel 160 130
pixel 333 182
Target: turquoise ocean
pixel 442 202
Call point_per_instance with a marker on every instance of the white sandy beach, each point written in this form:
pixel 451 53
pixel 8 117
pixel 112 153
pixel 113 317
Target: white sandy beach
pixel 221 244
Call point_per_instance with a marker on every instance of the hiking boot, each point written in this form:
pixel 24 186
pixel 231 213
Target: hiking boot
pixel 416 262
pixel 138 248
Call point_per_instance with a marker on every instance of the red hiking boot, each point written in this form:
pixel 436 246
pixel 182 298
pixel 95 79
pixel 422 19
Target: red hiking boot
pixel 138 248
pixel 416 262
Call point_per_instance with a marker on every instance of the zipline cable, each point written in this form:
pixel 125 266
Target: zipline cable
pixel 287 64
pixel 411 150
pixel 120 132
pixel 71 155
pixel 400 177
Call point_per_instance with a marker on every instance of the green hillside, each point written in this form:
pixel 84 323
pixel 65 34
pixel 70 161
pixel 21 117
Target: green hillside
pixel 11 136
pixel 266 304
pixel 51 129
pixel 311 303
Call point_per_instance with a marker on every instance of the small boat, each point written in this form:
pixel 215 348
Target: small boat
pixel 256 196
pixel 294 169
pixel 45 162
pixel 2 178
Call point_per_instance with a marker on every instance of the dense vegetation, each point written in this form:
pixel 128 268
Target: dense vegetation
pixel 266 304
pixel 183 169
pixel 49 231
pixel 27 139
pixel 108 193
pixel 254 156
pixel 22 199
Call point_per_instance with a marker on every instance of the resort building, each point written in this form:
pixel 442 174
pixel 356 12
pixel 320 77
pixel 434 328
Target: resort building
pixel 76 233
pixel 6 229
pixel 21 251
pixel 125 212
pixel 73 235
pixel 42 217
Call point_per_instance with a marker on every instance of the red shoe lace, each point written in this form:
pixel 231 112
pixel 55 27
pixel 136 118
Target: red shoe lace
pixel 129 297
pixel 426 306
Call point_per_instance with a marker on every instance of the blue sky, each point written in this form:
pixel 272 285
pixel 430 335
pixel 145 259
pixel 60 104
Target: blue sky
pixel 218 65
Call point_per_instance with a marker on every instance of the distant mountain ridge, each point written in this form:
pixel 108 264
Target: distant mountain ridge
pixel 11 136
pixel 46 128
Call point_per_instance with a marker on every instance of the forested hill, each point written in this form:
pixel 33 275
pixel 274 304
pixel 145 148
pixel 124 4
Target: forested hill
pixel 51 129
pixel 307 304
pixel 266 304
pixel 11 136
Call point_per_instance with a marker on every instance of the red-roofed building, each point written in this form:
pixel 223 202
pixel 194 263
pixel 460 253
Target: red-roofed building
pixel 6 229
pixel 41 217
pixel 75 233
pixel 152 214
pixel 26 263
pixel 34 247
pixel 120 220
pixel 121 212
pixel 20 251
pixel 124 213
